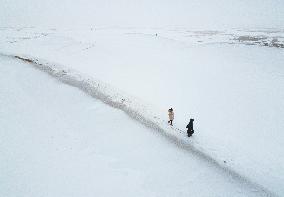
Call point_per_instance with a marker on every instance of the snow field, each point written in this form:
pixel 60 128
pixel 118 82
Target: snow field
pixel 57 141
pixel 234 92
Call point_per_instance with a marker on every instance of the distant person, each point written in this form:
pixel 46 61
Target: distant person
pixel 171 116
pixel 189 127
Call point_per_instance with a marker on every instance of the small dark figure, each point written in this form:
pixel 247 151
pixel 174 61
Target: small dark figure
pixel 171 116
pixel 189 127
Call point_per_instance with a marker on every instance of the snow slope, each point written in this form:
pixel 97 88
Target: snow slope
pixel 234 91
pixel 58 141
pixel 219 61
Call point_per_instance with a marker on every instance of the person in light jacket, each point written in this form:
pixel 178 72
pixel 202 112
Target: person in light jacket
pixel 171 116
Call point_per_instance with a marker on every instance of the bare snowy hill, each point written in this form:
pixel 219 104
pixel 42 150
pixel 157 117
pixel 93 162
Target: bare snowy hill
pixel 219 62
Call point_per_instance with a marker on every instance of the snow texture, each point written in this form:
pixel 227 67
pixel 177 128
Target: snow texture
pixel 232 88
pixel 133 108
pixel 57 141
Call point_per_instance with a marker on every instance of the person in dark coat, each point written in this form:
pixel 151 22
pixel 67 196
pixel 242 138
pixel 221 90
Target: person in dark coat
pixel 189 127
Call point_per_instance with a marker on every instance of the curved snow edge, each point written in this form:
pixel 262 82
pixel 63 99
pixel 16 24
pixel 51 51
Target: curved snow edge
pixel 133 108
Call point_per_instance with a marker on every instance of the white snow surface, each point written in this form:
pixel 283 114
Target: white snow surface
pixel 233 90
pixel 58 141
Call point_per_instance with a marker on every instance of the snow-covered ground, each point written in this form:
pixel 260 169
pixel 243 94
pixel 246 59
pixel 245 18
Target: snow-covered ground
pixel 232 89
pixel 58 141
pixel 217 61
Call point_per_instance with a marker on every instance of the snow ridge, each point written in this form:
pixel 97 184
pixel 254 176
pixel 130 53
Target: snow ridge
pixel 135 109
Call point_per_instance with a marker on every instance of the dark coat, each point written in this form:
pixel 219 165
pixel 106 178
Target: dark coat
pixel 189 127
